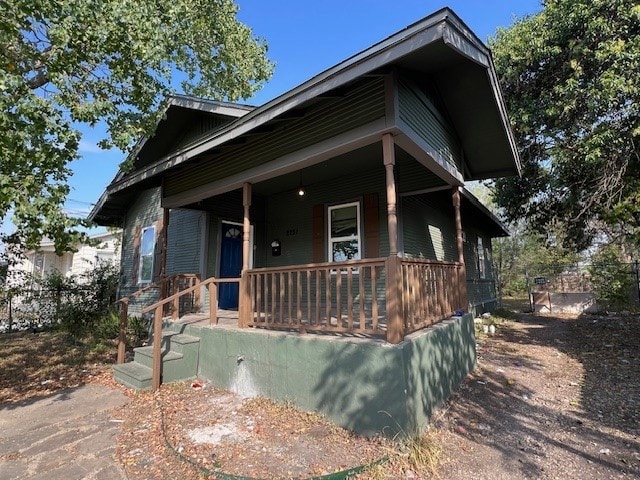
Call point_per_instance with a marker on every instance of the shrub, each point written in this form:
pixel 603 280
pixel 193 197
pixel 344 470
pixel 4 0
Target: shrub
pixel 612 279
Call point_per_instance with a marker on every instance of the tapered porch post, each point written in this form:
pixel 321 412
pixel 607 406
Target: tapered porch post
pixel 395 324
pixel 243 304
pixel 462 271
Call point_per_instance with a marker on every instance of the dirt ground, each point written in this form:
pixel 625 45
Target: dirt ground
pixel 555 398
pixel 552 398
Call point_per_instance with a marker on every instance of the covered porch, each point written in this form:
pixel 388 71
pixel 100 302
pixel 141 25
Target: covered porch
pixel 358 290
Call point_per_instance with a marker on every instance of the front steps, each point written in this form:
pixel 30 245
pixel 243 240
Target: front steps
pixel 179 362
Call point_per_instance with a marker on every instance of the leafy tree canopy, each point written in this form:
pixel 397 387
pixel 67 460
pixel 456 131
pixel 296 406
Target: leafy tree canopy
pixel 570 79
pixel 66 62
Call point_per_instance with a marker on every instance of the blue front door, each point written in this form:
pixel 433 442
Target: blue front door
pixel 230 264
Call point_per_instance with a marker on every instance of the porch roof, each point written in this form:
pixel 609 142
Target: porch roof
pixel 489 222
pixel 440 47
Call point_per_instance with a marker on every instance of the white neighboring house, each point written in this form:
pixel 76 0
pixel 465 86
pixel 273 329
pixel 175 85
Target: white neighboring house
pixel 42 261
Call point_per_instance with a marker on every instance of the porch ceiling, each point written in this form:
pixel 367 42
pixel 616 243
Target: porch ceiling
pixel 363 159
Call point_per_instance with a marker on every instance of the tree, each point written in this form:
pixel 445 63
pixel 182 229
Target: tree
pixel 529 253
pixel 66 63
pixel 570 80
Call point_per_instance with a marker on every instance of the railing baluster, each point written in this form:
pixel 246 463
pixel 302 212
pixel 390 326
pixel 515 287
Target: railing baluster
pixel 361 292
pixel 299 298
pixel 339 297
pixel 349 298
pixel 318 298
pixel 290 318
pixel 328 277
pixel 374 299
pixel 282 297
pixel 273 297
pixel 308 299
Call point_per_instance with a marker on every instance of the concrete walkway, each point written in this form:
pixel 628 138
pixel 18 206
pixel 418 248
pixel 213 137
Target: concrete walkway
pixel 69 435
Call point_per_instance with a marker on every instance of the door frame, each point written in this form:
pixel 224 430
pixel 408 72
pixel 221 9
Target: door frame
pixel 219 255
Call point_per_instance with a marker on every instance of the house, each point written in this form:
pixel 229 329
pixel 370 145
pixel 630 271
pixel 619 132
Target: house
pixel 325 238
pixel 44 260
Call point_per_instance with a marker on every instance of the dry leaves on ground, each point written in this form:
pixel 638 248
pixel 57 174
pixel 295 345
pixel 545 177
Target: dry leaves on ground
pixel 38 364
pixel 203 430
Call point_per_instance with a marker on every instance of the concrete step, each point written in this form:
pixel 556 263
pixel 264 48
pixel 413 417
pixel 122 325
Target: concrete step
pixel 133 375
pixel 175 366
pixel 179 342
pixel 179 355
pixel 144 355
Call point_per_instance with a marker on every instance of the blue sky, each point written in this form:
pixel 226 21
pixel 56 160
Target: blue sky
pixel 305 38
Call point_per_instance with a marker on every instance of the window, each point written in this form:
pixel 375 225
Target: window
pixel 481 260
pixel 344 232
pixel 147 242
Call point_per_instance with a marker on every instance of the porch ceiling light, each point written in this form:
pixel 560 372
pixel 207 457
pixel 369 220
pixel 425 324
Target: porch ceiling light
pixel 301 191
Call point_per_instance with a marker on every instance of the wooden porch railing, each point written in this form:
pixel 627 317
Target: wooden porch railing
pixel 167 287
pixel 350 297
pixel 347 297
pixel 159 307
pixel 430 292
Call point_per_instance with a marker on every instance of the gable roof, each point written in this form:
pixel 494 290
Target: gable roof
pixel 439 46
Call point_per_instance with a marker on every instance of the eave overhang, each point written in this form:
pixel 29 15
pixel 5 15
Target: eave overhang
pixel 439 46
pixel 490 222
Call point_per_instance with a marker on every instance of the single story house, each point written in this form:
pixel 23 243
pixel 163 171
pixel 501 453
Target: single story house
pixel 334 221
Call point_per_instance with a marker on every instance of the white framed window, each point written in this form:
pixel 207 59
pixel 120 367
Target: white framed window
pixel 147 244
pixel 481 259
pixel 344 232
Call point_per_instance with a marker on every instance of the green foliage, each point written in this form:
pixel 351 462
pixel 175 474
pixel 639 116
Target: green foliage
pixel 612 280
pixel 68 62
pixel 137 330
pixel 570 79
pixel 88 304
pixel 529 253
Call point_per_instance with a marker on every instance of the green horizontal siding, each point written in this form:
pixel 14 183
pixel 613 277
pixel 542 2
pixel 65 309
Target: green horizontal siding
pixel 428 229
pixel 412 176
pixel 199 127
pixel 358 107
pixel 419 112
pixel 479 290
pixel 184 241
pixel 145 211
pixel 289 217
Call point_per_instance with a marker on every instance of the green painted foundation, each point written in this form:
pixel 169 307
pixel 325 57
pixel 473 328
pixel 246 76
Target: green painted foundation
pixel 368 386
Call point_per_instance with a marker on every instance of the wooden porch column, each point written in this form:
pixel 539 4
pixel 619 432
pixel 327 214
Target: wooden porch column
pixel 463 301
pixel 243 304
pixel 395 324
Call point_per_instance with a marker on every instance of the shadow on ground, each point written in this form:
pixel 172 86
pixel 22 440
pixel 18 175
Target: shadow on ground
pixel 558 393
